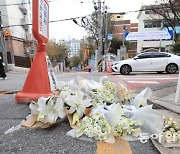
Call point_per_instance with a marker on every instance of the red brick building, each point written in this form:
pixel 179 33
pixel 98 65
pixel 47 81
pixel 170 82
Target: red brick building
pixel 122 26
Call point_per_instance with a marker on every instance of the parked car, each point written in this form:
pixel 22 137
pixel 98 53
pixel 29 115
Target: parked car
pixel 149 62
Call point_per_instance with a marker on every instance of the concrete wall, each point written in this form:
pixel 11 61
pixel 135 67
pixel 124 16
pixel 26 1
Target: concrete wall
pixel 18 48
pixel 142 17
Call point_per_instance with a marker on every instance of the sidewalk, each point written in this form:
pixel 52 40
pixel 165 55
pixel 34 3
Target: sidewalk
pixel 164 98
pixel 20 69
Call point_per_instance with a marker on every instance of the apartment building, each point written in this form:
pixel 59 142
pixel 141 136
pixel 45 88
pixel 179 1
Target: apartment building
pixel 74 49
pixel 73 46
pixel 151 21
pixel 16 17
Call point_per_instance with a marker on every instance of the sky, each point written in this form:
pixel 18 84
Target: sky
pixel 65 9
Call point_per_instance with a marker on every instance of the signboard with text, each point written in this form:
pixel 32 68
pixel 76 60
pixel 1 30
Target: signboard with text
pixel 41 20
pixel 52 77
pixel 149 35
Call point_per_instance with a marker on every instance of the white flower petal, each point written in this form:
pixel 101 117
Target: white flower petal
pixel 86 103
pixel 80 112
pixel 71 110
pixel 70 101
pixel 51 117
pixel 60 107
pixel 34 108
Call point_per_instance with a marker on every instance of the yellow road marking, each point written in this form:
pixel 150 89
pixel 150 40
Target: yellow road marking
pixel 8 92
pixel 119 147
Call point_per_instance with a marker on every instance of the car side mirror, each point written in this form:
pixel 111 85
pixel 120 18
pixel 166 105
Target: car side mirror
pixel 134 58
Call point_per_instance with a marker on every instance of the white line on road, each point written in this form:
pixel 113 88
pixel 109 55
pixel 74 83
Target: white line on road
pixel 147 76
pixel 152 78
pixel 145 82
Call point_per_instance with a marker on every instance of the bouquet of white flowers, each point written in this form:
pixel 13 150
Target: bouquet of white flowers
pixel 126 126
pixel 45 112
pixel 171 130
pixel 107 94
pixel 75 103
pixel 95 126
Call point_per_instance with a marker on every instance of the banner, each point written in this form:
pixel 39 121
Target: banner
pixel 148 35
pixel 52 77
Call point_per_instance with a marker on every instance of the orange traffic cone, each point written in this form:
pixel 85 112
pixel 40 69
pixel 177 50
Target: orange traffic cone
pixel 37 83
pixel 109 70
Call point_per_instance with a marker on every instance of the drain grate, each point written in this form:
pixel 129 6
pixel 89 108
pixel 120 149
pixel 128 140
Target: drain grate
pixel 5 92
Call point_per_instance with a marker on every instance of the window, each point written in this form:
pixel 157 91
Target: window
pixel 145 55
pixel 152 24
pixel 160 55
pixel 149 11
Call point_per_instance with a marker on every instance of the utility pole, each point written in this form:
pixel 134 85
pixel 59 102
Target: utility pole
pixel 99 28
pixel 2 40
pixel 106 30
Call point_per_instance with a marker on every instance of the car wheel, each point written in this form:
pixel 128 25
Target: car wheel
pixel 125 69
pixel 171 68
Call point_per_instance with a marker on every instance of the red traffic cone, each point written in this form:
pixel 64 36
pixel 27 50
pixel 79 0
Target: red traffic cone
pixel 37 83
pixel 109 69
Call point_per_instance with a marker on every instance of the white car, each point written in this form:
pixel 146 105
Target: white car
pixel 149 62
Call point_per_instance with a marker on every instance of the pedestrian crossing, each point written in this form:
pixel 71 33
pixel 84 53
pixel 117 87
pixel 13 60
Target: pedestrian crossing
pixel 144 82
pixel 149 79
pixel 136 81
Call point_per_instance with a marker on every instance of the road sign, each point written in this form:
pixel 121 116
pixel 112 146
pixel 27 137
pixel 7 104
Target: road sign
pixel 7 33
pixel 41 20
pixel 109 36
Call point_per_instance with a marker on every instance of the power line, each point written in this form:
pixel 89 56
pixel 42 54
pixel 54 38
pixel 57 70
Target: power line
pixel 53 21
pixel 22 3
pixel 68 19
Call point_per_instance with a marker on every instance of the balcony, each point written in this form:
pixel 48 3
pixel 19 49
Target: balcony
pixel 23 8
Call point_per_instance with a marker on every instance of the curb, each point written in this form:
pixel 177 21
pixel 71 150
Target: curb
pixel 171 106
pixel 164 150
pixel 164 97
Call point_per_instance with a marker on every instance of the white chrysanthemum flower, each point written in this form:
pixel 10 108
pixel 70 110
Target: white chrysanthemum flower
pixel 94 126
pixel 168 134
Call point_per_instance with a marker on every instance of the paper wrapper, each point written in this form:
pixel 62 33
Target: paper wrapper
pixel 31 122
pixel 123 94
pixel 70 116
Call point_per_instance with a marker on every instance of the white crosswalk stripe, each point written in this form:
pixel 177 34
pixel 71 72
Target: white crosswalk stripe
pixel 144 82
pixel 148 79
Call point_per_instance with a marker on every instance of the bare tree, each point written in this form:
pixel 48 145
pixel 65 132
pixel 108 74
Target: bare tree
pixel 169 10
pixel 92 25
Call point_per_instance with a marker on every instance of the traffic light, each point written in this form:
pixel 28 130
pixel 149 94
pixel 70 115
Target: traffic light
pixel 87 53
